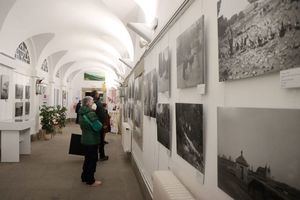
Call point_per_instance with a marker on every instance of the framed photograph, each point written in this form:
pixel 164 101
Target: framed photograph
pixel 138 111
pixel 27 92
pixel 153 93
pixel 19 91
pixel 258 153
pixel 4 87
pixel 163 125
pixel 164 70
pixel 257 37
pixel 189 132
pixel 18 109
pixel 27 108
pixel 190 56
pixel 147 80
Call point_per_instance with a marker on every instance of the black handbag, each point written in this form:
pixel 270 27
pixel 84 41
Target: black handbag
pixel 76 148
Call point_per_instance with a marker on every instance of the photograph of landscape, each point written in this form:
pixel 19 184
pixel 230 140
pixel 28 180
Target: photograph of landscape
pixel 257 37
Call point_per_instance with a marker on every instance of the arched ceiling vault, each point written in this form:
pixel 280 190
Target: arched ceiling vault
pixel 90 30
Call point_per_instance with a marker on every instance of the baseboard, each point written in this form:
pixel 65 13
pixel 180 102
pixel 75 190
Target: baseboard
pixel 143 186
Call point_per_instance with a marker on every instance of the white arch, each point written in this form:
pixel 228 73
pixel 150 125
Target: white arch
pixel 90 55
pixel 89 16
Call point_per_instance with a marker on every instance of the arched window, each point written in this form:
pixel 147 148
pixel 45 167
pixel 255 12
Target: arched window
pixel 22 53
pixel 45 66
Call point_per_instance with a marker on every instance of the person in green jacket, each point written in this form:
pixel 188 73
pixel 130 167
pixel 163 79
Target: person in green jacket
pixel 90 142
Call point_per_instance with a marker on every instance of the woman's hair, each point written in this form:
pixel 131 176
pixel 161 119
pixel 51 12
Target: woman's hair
pixel 86 100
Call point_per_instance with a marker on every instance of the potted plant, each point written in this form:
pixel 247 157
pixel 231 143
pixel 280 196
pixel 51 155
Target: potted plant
pixel 48 115
pixel 60 118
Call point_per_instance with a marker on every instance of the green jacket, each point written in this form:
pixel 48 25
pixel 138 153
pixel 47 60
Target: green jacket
pixel 89 136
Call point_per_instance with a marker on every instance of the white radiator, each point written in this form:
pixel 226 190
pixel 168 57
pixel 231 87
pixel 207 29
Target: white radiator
pixel 126 137
pixel 167 187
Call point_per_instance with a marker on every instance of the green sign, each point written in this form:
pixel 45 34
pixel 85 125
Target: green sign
pixel 93 77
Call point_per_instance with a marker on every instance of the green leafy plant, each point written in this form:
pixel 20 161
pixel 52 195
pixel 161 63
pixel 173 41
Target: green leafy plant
pixel 61 116
pixel 48 118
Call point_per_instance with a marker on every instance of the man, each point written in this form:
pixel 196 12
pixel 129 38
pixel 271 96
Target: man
pixel 100 112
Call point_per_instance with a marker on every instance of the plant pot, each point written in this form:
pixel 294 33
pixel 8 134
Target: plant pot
pixel 41 134
pixel 48 136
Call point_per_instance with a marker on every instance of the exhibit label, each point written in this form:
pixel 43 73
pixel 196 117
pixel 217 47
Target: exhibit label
pixel 290 78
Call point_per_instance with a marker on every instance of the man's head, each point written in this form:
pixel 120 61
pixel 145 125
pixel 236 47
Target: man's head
pixel 95 94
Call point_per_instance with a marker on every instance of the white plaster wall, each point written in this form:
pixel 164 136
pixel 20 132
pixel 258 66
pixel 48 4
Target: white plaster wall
pixel 263 91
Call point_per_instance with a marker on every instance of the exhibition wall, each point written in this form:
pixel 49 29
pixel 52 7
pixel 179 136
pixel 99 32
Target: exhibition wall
pixel 256 92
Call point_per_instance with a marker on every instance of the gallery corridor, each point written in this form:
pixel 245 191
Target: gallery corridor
pixel 50 173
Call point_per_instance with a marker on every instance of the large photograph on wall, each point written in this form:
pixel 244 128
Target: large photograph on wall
pixel 18 109
pixel 138 111
pixel 163 125
pixel 153 93
pixel 27 108
pixel 19 91
pixel 164 70
pixel 189 133
pixel 147 80
pixel 4 87
pixel 190 56
pixel 258 153
pixel 27 92
pixel 257 37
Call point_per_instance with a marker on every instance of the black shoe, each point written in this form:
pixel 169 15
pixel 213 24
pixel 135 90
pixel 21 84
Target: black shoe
pixel 103 158
pixel 105 142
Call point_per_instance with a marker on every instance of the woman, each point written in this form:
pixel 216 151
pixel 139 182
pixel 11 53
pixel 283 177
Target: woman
pixel 90 142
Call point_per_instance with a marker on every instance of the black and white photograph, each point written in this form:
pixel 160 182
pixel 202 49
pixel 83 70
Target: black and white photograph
pixel 257 37
pixel 189 133
pixel 163 125
pixel 164 71
pixel 19 91
pixel 27 92
pixel 153 93
pixel 18 109
pixel 125 112
pixel 27 108
pixel 138 111
pixel 147 96
pixel 258 153
pixel 4 87
pixel 190 56
pixel 64 98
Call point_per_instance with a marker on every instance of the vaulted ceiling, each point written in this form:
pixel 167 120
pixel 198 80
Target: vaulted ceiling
pixel 91 33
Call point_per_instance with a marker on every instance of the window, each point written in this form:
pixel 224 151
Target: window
pixel 22 53
pixel 45 66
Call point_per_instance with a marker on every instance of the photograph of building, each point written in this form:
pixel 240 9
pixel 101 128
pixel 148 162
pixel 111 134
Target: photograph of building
pixel 258 153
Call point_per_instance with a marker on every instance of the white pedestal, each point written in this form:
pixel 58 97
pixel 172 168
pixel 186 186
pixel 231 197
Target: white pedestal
pixel 15 139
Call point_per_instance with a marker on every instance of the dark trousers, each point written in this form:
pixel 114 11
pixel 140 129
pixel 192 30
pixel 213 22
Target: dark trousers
pixel 89 165
pixel 101 145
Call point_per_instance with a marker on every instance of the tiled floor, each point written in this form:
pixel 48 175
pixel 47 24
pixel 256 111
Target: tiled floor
pixel 50 173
